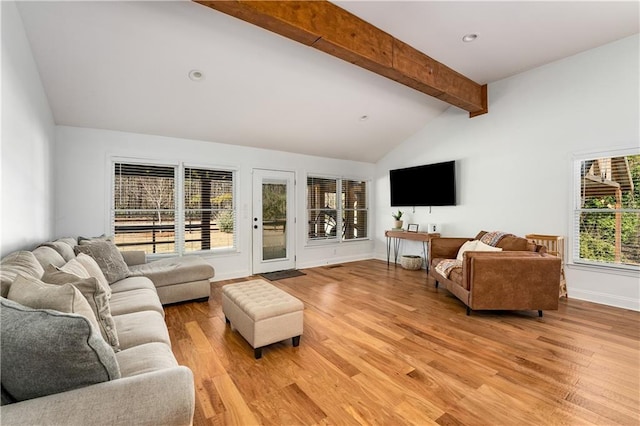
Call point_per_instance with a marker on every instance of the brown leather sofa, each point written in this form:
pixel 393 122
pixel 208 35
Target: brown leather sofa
pixel 521 277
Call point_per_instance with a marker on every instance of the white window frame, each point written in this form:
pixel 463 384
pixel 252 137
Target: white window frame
pixel 339 221
pixel 574 225
pixel 179 207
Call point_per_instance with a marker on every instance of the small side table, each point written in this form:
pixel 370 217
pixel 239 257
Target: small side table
pixel 555 247
pixel 396 237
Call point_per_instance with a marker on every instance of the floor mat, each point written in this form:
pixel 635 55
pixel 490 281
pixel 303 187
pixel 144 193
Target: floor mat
pixel 280 275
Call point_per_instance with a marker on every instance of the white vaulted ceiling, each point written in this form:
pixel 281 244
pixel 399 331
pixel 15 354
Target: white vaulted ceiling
pixel 124 66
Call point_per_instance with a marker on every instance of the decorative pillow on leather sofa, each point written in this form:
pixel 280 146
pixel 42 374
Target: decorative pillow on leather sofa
pixel 510 242
pixel 475 245
pixel 108 257
pixel 46 352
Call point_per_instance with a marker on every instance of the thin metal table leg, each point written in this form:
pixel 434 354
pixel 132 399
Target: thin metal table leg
pixel 388 250
pixel 424 251
pixel 396 249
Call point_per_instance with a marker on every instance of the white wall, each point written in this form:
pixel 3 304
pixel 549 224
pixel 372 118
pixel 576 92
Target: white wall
pixel 515 162
pixel 27 142
pixel 83 179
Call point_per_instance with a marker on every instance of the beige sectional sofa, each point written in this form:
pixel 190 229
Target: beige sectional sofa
pixel 112 366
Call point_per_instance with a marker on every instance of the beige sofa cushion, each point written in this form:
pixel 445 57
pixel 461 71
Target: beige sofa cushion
pixel 32 292
pixel 132 283
pixel 145 359
pixel 18 262
pixel 174 270
pixel 138 328
pixel 63 247
pixel 48 256
pixel 142 299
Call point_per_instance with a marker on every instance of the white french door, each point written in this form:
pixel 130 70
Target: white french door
pixel 273 221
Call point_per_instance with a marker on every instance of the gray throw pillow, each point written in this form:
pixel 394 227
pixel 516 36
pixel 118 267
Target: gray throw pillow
pixel 46 352
pixel 95 295
pixel 108 258
pixel 88 240
pixel 32 292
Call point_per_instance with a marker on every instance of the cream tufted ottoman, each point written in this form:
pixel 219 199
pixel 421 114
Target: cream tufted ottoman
pixel 262 313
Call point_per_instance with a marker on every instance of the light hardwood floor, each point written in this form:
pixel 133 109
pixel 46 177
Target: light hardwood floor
pixel 382 347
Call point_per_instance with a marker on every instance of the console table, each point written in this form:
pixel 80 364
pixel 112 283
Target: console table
pixel 396 237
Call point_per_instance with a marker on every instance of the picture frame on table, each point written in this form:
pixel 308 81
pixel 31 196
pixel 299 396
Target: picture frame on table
pixel 412 227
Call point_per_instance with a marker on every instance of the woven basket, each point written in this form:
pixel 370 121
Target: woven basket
pixel 411 262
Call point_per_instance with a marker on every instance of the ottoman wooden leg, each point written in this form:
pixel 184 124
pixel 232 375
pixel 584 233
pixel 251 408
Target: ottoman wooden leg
pixel 296 341
pixel 257 353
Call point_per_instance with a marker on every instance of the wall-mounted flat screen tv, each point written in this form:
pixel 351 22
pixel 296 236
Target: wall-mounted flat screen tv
pixel 428 185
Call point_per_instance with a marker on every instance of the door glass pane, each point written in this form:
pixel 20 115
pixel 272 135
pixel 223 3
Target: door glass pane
pixel 274 220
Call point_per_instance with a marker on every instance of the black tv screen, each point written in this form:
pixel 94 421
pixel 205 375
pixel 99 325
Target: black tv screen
pixel 428 185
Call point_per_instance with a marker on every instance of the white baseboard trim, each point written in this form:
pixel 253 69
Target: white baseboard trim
pixel 605 299
pixel 231 275
pixel 332 261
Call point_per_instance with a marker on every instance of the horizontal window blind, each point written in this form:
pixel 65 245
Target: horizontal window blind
pixel 354 209
pixel 337 209
pixel 144 212
pixel 322 208
pixel 209 219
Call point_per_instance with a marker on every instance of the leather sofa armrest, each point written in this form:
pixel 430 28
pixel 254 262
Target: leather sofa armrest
pixel 135 257
pixel 163 397
pixel 512 280
pixel 445 248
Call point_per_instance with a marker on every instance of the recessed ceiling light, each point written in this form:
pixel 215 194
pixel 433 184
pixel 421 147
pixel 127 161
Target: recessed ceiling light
pixel 364 118
pixel 196 75
pixel 468 38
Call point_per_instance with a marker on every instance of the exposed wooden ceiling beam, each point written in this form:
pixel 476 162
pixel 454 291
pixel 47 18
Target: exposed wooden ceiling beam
pixel 333 30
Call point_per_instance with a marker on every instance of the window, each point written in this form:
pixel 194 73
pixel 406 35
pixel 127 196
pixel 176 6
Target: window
pixel 607 211
pixel 144 208
pixel 328 213
pixel 147 217
pixel 208 209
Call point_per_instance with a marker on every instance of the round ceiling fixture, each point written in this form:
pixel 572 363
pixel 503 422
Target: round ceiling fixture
pixel 196 75
pixel 364 118
pixel 468 38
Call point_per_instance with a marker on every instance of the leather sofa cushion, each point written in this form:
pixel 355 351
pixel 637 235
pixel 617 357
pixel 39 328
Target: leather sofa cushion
pixel 455 275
